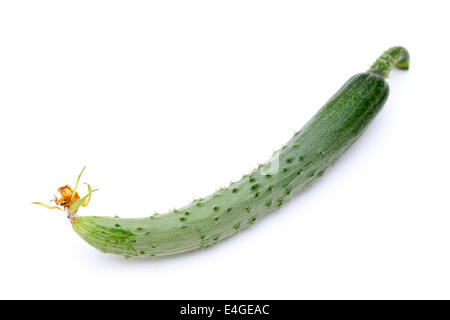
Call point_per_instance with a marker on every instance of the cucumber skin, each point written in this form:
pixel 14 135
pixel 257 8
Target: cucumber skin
pixel 334 128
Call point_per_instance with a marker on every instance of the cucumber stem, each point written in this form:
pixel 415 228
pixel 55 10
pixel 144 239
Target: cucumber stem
pixel 393 57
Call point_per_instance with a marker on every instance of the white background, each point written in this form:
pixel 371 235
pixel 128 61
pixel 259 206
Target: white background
pixel 165 101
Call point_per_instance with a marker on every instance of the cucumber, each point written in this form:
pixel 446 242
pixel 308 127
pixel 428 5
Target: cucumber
pixel 302 160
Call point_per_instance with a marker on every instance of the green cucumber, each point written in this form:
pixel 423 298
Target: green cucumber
pixel 302 160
